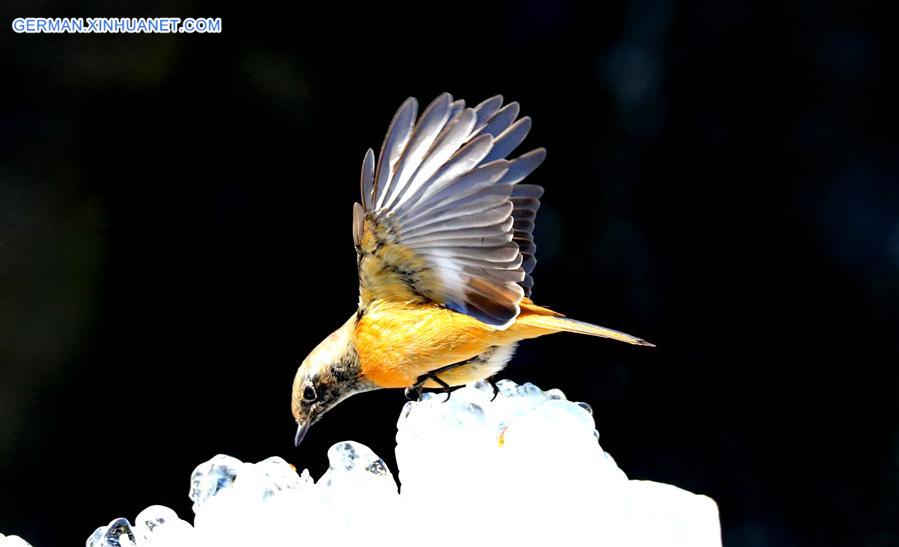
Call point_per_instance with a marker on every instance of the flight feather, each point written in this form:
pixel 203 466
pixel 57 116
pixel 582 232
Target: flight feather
pixel 443 218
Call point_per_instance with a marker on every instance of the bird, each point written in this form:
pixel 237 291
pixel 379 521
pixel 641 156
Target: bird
pixel 445 252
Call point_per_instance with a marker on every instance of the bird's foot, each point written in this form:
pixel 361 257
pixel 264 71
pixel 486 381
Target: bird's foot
pixel 492 384
pixel 413 392
pixel 449 391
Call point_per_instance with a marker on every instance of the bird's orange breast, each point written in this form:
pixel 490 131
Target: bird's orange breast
pixel 399 342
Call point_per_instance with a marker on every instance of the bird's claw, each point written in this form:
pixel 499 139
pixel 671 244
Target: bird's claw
pixel 413 392
pixel 495 388
pixel 449 391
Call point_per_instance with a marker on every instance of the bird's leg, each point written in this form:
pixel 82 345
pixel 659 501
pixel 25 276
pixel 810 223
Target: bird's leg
pixel 417 387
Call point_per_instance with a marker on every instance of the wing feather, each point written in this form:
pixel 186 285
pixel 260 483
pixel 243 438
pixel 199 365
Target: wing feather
pixel 456 107
pixel 453 206
pixel 453 136
pixel 426 130
pixel 486 110
pixel 394 143
pixel 475 180
pixel 504 228
pixel 443 240
pixel 524 165
pixel 501 120
pixel 507 141
pixel 443 219
pixel 506 253
pixel 490 217
pixel 367 180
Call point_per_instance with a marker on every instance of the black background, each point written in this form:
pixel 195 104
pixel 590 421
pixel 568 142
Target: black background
pixel 721 180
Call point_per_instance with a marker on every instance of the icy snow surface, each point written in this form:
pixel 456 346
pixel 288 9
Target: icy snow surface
pixel 524 469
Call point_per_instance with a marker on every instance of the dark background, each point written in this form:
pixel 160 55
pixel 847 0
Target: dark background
pixel 721 180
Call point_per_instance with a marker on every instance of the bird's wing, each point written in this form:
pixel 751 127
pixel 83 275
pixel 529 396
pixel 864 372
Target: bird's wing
pixel 443 219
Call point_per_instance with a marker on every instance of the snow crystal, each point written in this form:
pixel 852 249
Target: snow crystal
pixel 522 467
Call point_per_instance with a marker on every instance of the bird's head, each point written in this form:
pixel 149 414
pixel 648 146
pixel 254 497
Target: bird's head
pixel 327 376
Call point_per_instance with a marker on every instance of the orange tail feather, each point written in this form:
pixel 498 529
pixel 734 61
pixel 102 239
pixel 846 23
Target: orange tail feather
pixel 537 317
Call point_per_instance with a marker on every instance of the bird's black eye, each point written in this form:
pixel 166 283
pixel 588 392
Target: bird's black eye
pixel 309 394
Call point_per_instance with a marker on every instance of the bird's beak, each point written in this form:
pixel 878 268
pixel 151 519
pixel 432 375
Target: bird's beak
pixel 302 428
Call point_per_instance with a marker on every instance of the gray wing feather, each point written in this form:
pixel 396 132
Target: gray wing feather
pixel 486 110
pixel 481 219
pixel 444 240
pixel 445 188
pixel 454 135
pixel 367 180
pixel 453 206
pixel 524 165
pixel 490 230
pixel 507 253
pixel 432 121
pixel 501 120
pixel 526 202
pixel 456 107
pixel 394 143
pixel 507 141
pixel 475 180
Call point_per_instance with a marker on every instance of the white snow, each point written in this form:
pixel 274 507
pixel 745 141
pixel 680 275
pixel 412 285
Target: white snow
pixel 13 541
pixel 524 469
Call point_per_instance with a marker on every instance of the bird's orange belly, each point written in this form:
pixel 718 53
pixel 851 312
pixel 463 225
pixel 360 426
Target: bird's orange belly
pixel 397 343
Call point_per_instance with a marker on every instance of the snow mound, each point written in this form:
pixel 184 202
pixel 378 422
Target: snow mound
pixel 524 468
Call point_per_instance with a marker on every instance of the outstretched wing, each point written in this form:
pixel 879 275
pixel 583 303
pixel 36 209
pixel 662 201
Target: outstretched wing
pixel 443 218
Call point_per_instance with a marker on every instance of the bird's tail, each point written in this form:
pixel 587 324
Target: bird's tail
pixel 544 319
